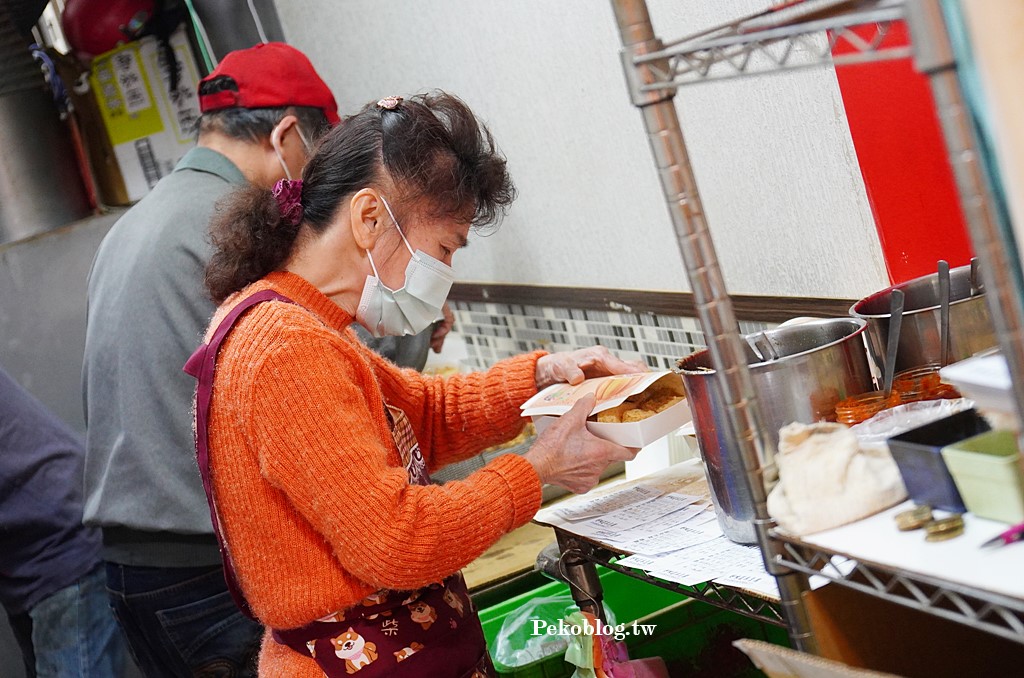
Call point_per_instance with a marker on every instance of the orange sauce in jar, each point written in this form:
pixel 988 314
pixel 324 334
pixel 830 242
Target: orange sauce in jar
pixel 922 383
pixel 862 407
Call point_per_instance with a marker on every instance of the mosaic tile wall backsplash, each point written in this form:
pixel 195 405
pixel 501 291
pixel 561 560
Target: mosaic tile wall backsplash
pixel 496 331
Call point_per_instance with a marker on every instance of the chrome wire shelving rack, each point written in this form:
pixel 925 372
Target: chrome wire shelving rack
pixel 978 608
pixel 775 41
pixel 739 601
pixel 804 35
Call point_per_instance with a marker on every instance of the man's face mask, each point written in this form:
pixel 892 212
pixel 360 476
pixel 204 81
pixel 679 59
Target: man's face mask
pixel 416 305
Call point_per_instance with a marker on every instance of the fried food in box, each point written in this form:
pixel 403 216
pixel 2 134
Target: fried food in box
pixel 637 414
pixel 658 397
pixel 662 400
pixel 614 415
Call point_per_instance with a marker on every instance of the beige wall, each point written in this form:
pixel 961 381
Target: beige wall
pixel 773 156
pixel 995 29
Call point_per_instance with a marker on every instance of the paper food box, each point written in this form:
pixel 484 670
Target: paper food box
pixel 149 126
pixel 632 410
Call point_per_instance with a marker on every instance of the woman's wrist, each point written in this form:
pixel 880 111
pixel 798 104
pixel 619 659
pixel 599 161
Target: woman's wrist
pixel 537 456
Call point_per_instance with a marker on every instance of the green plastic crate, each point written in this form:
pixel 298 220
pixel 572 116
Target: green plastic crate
pixel 684 628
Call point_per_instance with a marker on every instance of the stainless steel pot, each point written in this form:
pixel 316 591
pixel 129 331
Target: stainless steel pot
pixel 40 183
pixel 970 327
pixel 799 373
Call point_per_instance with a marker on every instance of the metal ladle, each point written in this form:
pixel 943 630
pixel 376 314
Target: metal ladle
pixel 895 323
pixel 943 312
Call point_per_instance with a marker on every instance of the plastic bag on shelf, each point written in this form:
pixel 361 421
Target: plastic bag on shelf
pixel 903 418
pixel 524 637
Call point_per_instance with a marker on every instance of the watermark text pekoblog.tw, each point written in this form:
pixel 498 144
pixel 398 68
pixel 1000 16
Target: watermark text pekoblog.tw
pixel 616 632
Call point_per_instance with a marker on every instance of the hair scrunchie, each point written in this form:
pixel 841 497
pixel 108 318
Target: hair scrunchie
pixel 288 193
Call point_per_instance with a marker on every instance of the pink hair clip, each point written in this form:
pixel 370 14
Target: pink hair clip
pixel 390 103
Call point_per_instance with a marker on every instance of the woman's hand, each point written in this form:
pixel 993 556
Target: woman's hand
pixel 569 456
pixel 442 328
pixel 574 366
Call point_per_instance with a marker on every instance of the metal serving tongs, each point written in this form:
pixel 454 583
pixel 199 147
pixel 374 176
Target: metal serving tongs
pixel 893 344
pixel 943 312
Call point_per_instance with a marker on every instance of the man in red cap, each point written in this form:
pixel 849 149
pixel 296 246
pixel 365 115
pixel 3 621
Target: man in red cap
pixel 262 108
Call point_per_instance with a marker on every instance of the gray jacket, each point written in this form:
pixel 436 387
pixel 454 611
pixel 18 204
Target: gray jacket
pixel 147 313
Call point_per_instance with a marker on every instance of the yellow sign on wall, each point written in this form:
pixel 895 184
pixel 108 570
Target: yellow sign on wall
pixel 150 127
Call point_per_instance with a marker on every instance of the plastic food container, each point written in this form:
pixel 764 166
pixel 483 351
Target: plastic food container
pixel 986 469
pixel 918 454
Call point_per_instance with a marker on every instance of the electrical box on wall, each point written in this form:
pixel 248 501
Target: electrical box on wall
pixel 149 126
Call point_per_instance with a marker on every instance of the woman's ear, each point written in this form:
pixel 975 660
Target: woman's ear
pixel 365 209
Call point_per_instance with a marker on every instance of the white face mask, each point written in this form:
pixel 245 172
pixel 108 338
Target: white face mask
pixel 411 309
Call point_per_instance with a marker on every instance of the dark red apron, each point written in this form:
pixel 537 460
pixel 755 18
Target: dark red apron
pixel 434 631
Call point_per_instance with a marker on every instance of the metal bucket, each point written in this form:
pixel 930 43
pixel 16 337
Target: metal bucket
pixel 799 373
pixel 40 183
pixel 970 327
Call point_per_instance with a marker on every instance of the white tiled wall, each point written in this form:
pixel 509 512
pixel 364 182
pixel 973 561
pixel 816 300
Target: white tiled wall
pixel 496 331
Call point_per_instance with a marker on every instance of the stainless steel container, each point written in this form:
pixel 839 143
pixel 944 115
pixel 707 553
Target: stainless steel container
pixel 40 183
pixel 799 373
pixel 970 327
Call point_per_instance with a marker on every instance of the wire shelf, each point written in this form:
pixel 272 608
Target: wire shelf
pixel 984 610
pixel 736 600
pixel 755 46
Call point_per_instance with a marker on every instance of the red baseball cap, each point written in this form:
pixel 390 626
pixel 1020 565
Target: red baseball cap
pixel 270 75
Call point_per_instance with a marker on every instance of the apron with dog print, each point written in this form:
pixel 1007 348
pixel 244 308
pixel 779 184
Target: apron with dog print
pixel 434 631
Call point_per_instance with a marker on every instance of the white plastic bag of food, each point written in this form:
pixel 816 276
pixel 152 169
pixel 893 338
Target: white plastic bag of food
pixel 893 422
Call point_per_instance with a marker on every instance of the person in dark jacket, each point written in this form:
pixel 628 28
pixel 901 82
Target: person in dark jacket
pixel 52 582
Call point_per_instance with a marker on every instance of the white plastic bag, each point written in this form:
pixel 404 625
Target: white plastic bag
pixel 892 422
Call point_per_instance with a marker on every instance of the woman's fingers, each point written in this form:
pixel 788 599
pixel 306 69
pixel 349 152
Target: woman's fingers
pixel 572 367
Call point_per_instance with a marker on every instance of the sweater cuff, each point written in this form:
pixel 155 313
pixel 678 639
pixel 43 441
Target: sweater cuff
pixel 523 484
pixel 520 378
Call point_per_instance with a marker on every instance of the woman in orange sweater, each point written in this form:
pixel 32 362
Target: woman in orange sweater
pixel 316 452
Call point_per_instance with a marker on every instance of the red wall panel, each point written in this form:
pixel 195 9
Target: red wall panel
pixel 903 158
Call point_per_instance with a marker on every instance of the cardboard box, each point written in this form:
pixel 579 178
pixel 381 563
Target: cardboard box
pixel 866 632
pixel 782 662
pixel 149 126
pixel 613 392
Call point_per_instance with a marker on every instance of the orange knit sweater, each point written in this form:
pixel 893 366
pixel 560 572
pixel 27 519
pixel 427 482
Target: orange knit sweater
pixel 316 507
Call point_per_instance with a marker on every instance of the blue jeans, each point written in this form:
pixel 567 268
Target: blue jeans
pixel 183 622
pixel 72 634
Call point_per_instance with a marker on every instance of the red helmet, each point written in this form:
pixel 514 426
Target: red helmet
pixel 93 27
